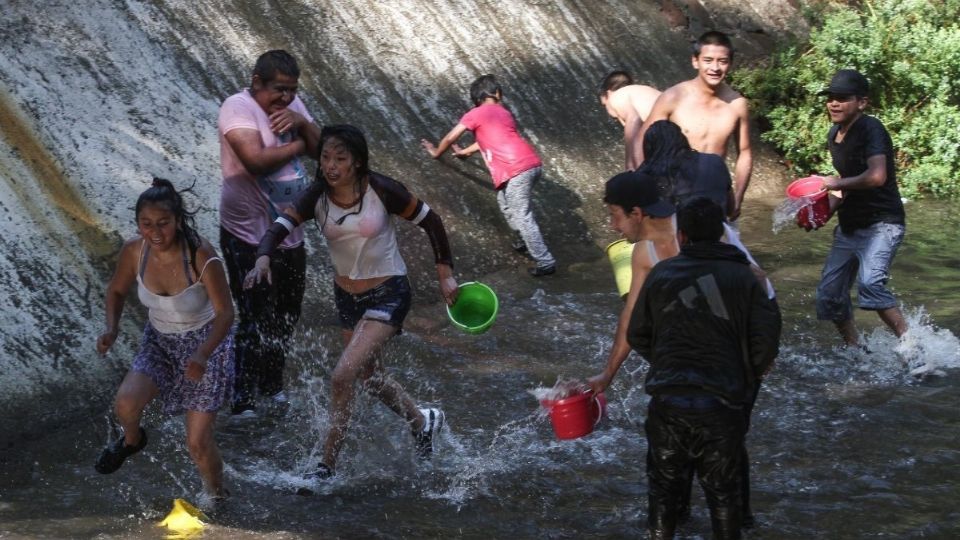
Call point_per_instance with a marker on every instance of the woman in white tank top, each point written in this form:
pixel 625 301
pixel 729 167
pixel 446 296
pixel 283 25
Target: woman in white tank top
pixel 186 353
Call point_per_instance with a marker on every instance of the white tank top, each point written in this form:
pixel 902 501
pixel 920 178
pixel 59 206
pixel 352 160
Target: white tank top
pixel 187 310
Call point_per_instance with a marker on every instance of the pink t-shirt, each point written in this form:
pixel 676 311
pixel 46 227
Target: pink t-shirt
pixel 505 152
pixel 249 204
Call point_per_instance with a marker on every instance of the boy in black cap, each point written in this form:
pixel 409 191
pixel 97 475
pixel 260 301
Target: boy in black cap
pixel 639 212
pixel 872 220
pixel 709 331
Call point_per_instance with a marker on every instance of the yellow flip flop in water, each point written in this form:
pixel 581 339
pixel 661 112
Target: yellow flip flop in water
pixel 185 520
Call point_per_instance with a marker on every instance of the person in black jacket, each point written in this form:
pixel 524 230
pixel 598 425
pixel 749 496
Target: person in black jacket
pixel 709 331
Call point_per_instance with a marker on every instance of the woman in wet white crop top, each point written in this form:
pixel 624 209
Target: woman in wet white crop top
pixel 354 208
pixel 186 352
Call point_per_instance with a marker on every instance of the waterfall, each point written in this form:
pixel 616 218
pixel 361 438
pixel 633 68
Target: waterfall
pixel 98 96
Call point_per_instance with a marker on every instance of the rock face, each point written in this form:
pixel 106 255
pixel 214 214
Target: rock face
pixel 97 97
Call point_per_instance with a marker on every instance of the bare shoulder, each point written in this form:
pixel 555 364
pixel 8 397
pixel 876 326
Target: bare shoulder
pixel 130 253
pixel 733 98
pixel 641 90
pixel 677 91
pixel 640 259
pixel 205 251
pixel 131 246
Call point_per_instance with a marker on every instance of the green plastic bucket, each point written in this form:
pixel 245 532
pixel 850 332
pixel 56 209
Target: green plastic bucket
pixel 476 308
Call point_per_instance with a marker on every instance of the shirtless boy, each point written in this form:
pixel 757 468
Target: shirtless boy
pixel 630 104
pixel 709 111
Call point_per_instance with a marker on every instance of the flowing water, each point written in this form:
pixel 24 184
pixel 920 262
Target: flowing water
pixel 843 445
pixel 97 96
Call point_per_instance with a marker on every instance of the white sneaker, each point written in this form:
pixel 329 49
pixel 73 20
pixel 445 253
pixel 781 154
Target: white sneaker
pixel 280 398
pixel 433 422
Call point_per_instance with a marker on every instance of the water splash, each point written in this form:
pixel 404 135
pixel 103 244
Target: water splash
pixel 561 389
pixel 926 348
pixel 785 214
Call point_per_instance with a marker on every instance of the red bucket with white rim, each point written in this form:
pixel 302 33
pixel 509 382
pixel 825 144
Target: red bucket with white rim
pixel 816 212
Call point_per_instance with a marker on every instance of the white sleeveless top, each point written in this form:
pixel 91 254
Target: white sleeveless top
pixel 187 310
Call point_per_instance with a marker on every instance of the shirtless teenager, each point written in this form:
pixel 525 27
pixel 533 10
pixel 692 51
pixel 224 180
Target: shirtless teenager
pixel 709 111
pixel 630 104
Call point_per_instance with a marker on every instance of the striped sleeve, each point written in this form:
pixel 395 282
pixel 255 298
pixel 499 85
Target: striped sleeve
pixel 398 200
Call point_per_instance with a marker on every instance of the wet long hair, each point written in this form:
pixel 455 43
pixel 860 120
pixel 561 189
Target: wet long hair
pixel 356 143
pixel 163 193
pixel 667 154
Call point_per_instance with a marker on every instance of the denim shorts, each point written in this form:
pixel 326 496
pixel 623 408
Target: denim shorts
pixel 388 303
pixel 864 255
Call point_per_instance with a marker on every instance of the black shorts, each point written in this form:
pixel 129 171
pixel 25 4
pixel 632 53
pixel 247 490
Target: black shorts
pixel 388 302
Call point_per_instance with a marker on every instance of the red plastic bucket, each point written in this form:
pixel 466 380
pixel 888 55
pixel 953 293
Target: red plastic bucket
pixel 574 416
pixel 816 213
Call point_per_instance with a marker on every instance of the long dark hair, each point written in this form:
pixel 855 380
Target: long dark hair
pixel 356 143
pixel 162 193
pixel 666 153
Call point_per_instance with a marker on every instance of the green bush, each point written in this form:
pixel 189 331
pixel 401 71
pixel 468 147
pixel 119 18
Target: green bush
pixel 910 51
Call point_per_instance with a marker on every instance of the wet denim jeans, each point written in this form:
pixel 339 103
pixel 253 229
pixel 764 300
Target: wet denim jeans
pixel 863 255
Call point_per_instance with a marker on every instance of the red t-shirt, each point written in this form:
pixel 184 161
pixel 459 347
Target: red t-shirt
pixel 505 152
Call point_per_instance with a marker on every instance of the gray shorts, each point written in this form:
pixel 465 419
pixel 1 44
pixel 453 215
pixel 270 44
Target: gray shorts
pixel 865 255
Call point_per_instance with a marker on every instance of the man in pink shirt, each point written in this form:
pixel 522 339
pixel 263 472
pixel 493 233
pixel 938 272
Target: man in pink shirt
pixel 263 131
pixel 513 164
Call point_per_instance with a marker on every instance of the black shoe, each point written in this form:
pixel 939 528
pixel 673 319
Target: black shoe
pixel 322 472
pixel 538 271
pixel 112 457
pixel 243 410
pixel 433 422
pixel 519 246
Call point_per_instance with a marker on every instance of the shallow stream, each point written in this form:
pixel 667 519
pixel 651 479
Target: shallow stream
pixel 843 445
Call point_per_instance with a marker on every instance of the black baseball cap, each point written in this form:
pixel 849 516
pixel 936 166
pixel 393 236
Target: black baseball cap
pixel 632 188
pixel 847 82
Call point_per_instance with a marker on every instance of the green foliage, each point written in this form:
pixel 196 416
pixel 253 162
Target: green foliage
pixel 910 51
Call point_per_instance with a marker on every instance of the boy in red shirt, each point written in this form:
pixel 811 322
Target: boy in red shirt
pixel 513 164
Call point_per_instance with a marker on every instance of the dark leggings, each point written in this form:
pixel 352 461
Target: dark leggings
pixel 267 314
pixel 708 441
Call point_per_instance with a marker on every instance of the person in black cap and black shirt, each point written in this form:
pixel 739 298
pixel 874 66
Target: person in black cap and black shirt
pixel 872 220
pixel 709 331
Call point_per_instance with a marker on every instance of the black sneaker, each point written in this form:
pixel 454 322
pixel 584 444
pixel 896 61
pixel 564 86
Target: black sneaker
pixel 112 457
pixel 322 472
pixel 519 246
pixel 433 422
pixel 243 410
pixel 538 270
